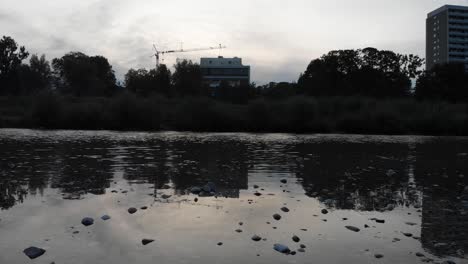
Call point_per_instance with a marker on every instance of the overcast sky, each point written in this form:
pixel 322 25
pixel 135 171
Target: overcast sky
pixel 277 38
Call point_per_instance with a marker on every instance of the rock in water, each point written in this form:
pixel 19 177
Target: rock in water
pixel 256 238
pixel 146 241
pixel 144 207
pixel 132 210
pixel 324 211
pixel 378 256
pixel 301 250
pixel 296 239
pixel 195 190
pixel 353 228
pixel 284 181
pixel 281 248
pixel 220 243
pixel 285 209
pixel 105 217
pixel 303 246
pixel 419 254
pixel 166 196
pixel 87 221
pixel 277 217
pixel 34 252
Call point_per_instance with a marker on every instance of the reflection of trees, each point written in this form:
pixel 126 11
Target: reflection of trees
pixel 358 175
pixel 445 202
pixel 81 168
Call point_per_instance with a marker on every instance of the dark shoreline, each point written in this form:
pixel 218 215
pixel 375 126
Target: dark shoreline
pixel 300 115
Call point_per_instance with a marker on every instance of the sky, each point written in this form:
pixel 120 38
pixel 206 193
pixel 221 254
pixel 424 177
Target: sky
pixel 277 38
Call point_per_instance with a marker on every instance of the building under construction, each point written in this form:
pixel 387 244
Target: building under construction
pixel 227 70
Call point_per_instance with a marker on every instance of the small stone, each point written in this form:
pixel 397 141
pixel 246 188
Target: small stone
pixel 255 186
pixel 34 252
pixel 144 207
pixel 87 221
pixel 381 221
pixel 238 230
pixel 166 196
pixel 344 218
pixel 257 194
pixel 293 253
pixel 301 250
pixel 132 210
pixel 146 241
pixel 283 181
pixel 281 248
pixel 419 254
pixel 366 226
pixel 220 243
pixel 378 256
pixel 353 228
pixel 76 232
pixel 105 217
pixel 277 217
pixel 196 199
pixel 195 190
pixel 240 223
pixel 408 234
pixel 324 211
pixel 296 239
pixel 285 209
pixel 256 238
pixel 303 246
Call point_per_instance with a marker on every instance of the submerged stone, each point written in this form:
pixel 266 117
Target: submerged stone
pixel 277 217
pixel 34 252
pixel 353 228
pixel 281 248
pixel 195 190
pixel 87 221
pixel 256 238
pixel 105 217
pixel 146 241
pixel 296 239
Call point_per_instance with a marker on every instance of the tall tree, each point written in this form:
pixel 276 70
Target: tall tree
pixel 11 57
pixel 82 75
pixel 187 79
pixel 36 76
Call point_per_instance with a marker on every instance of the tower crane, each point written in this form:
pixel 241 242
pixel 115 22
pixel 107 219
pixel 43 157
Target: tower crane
pixel 158 53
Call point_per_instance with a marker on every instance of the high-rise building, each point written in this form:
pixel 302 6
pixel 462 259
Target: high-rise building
pixel 228 70
pixel 447 36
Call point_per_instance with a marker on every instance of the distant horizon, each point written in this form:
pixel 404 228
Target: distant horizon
pixel 276 40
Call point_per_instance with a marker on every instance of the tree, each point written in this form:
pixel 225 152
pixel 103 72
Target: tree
pixel 370 72
pixel 444 82
pixel 10 60
pixel 82 75
pixel 34 77
pixel 187 79
pixel 145 82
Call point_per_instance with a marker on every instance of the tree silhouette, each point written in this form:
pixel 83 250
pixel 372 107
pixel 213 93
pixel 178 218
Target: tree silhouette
pixel 10 60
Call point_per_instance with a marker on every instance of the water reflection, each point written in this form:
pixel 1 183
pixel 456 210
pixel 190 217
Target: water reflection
pixel 341 172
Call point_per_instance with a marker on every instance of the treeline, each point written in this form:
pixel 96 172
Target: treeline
pixel 363 91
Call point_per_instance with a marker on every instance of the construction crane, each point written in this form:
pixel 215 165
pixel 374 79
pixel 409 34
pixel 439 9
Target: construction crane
pixel 158 53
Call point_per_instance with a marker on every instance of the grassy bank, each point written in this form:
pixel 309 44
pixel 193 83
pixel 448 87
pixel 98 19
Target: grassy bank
pixel 296 114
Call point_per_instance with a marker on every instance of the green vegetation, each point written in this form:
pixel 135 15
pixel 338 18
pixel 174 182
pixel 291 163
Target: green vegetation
pixel 296 114
pixel 344 91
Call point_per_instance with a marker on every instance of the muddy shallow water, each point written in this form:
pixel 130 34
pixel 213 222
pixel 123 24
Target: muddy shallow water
pixel 407 195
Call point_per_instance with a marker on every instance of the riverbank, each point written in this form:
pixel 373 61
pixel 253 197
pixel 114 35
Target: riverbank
pixel 294 115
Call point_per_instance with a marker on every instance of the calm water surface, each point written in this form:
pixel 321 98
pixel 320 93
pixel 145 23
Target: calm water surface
pixel 50 180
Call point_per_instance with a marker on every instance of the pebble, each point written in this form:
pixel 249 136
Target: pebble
pixel 281 248
pixel 378 256
pixel 256 238
pixel 195 190
pixel 257 194
pixel 166 196
pixel 132 210
pixel 144 207
pixel 408 234
pixel 283 181
pixel 105 217
pixel 301 250
pixel 324 211
pixel 276 216
pixel 196 199
pixel 238 230
pixel 34 252
pixel 87 221
pixel 353 228
pixel 241 223
pixel 255 186
pixel 296 239
pixel 220 243
pixel 303 246
pixel 146 241
pixel 285 209
pixel 419 254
